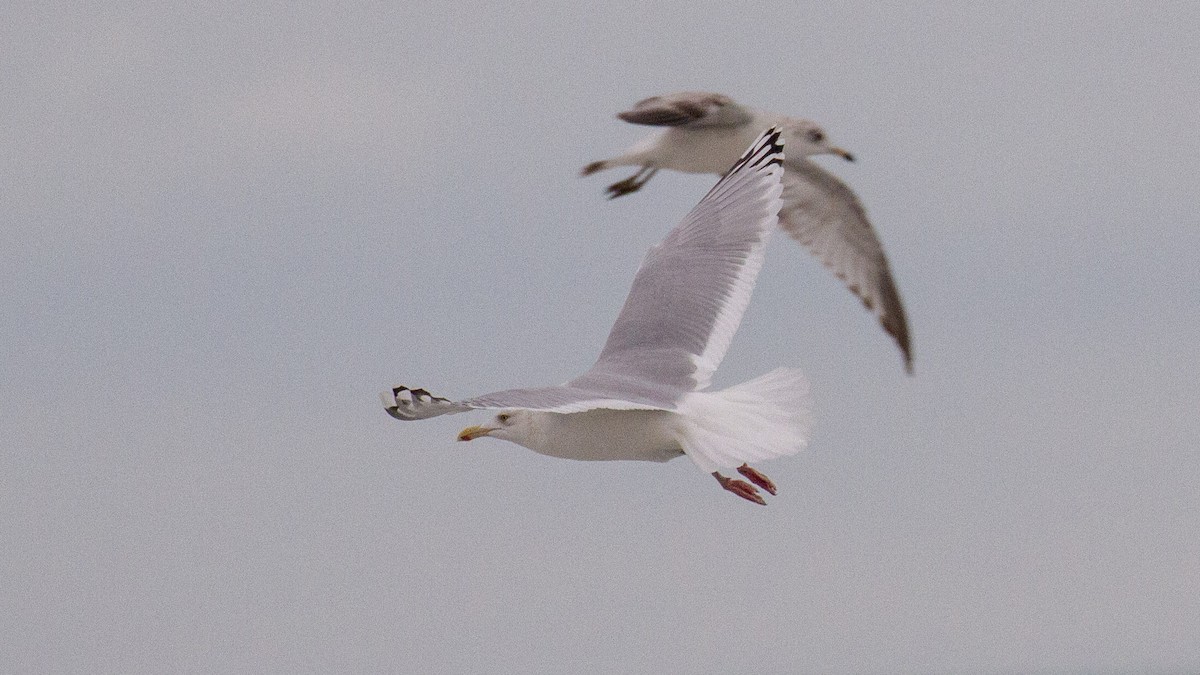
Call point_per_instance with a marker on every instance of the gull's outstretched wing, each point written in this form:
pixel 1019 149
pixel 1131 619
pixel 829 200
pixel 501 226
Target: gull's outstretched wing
pixel 688 108
pixel 685 305
pixel 691 290
pixel 405 403
pixel 824 215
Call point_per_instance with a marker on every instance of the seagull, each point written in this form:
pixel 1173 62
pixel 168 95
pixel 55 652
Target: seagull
pixel 646 397
pixel 704 134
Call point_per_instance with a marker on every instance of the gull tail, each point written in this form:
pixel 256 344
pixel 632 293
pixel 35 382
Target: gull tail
pixel 767 417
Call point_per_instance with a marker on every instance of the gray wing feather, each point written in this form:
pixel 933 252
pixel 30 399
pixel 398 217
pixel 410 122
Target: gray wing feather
pixel 825 215
pixel 689 294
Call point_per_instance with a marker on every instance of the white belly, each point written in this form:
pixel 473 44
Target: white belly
pixel 647 435
pixel 705 150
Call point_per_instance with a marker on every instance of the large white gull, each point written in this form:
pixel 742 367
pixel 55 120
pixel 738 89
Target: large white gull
pixel 706 132
pixel 645 398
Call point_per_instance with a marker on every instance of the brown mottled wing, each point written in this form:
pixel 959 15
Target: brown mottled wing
pixel 824 215
pixel 689 108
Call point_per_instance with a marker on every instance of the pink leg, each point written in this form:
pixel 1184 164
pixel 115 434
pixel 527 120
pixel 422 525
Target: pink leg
pixel 755 476
pixel 740 488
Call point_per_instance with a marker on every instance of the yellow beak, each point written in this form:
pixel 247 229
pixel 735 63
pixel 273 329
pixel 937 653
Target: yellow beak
pixel 471 433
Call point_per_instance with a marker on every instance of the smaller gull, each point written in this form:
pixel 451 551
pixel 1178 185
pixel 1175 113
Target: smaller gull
pixel 645 398
pixel 706 132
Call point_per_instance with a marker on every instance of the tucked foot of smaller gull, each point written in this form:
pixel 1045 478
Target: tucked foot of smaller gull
pixel 758 478
pixel 631 184
pixel 624 187
pixel 740 488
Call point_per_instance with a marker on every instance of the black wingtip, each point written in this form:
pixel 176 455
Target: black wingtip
pixel 765 151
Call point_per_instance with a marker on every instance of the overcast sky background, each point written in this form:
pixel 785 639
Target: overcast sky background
pixel 227 229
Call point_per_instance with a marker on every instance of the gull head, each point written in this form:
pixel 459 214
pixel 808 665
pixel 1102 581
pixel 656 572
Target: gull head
pixel 508 425
pixel 805 137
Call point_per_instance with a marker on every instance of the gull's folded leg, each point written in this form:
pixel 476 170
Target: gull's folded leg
pixel 757 477
pixel 740 488
pixel 631 184
pixel 624 187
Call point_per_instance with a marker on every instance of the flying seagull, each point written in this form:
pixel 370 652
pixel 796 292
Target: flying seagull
pixel 706 132
pixel 645 398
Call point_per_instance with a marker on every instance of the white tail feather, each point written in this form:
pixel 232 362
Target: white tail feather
pixel 767 417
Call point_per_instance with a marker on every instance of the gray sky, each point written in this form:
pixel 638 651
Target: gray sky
pixel 225 230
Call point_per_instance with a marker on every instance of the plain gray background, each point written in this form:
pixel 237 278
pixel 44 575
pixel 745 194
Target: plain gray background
pixel 227 229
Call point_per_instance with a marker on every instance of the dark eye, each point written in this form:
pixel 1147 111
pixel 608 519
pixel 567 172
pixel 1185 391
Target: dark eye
pixel 815 136
pixel 503 418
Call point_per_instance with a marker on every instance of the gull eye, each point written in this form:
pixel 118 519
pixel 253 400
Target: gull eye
pixel 815 135
pixel 503 418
